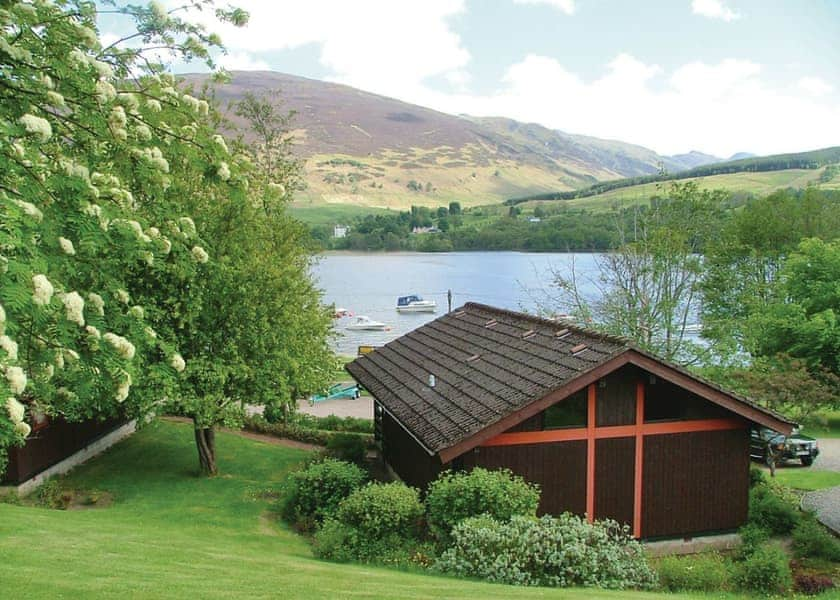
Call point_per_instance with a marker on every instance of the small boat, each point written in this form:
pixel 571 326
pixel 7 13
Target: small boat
pixel 363 323
pixel 335 392
pixel 414 303
pixel 342 312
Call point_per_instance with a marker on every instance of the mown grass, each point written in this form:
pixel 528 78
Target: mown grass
pixel 826 425
pixel 802 478
pixel 331 214
pixel 172 534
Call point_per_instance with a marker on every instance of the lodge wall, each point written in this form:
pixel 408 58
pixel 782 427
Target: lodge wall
pixel 51 444
pixel 406 456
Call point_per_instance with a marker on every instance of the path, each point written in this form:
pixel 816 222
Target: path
pixel 361 408
pixel 826 503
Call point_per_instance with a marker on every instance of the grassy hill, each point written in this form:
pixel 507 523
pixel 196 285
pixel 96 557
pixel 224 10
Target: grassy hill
pixel 172 534
pixel 367 150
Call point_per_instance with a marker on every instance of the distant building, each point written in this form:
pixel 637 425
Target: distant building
pixel 534 219
pixel 425 230
pixel 340 231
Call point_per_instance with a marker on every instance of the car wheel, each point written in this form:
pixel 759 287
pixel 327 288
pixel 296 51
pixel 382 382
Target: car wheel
pixel 807 461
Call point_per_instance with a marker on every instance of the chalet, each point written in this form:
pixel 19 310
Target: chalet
pixel 605 428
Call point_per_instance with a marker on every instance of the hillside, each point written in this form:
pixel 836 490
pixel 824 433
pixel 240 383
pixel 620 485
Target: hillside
pixel 368 150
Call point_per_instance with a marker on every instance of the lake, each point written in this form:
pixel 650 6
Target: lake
pixel 369 284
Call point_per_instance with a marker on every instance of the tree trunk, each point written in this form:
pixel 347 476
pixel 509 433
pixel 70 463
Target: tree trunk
pixel 205 441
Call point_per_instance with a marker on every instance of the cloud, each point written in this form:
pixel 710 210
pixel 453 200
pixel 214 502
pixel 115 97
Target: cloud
pixel 814 86
pixel 565 6
pixel 242 61
pixel 714 9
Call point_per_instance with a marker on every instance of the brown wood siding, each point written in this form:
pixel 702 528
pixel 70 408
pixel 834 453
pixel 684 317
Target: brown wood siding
pixel 558 468
pixel 665 401
pixel 616 400
pixel 408 458
pixel 52 444
pixel 535 423
pixel 695 482
pixel 614 478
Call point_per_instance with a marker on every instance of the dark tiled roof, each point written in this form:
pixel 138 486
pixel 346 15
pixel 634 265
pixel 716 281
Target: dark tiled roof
pixel 487 363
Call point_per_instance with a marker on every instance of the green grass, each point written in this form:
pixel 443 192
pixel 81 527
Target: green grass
pixel 826 426
pixel 173 534
pixel 331 214
pixel 807 478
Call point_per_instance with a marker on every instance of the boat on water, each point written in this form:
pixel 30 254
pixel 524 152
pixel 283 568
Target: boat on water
pixel 414 303
pixel 363 323
pixel 341 312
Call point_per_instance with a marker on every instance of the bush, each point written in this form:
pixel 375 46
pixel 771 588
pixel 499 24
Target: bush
pixel 766 570
pixel 753 536
pixel 377 523
pixel 806 583
pixel 454 497
pixel 51 495
pixel 310 495
pixel 379 509
pixel 703 572
pixel 771 510
pixel 812 540
pixel 757 477
pixel 294 431
pixel 347 446
pixel 549 551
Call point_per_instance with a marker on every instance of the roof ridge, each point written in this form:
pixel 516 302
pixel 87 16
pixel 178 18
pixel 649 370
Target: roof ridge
pixel 606 337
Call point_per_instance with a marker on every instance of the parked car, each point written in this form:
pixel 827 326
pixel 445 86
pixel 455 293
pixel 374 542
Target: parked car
pixel 794 447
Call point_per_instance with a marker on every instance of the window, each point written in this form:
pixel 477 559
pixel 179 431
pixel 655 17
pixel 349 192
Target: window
pixel 570 412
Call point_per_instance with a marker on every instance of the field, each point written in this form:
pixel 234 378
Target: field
pixel 172 534
pixel 757 183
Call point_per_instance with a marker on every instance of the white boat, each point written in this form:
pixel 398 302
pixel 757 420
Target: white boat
pixel 363 323
pixel 414 303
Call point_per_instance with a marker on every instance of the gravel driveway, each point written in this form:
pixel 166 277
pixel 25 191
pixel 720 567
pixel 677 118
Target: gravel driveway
pixel 826 503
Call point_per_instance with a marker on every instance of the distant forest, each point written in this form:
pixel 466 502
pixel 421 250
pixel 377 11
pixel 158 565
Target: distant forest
pixel 548 228
pixel 801 160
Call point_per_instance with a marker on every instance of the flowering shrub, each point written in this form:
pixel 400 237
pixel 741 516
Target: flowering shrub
pixel 765 570
pixel 812 540
pixel 562 551
pixel 377 523
pixel 455 496
pixel 315 492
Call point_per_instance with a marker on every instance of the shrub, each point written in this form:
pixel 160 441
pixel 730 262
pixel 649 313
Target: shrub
pixel 346 446
pixel 377 523
pixel 752 537
pixel 757 477
pixel 294 431
pixel 771 510
pixel 704 572
pixel 379 509
pixel 766 570
pixel 455 496
pixel 806 583
pixel 549 551
pixel 812 540
pixel 51 495
pixel 313 493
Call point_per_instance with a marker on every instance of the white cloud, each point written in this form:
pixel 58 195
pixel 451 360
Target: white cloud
pixel 566 6
pixel 714 9
pixel 815 86
pixel 242 61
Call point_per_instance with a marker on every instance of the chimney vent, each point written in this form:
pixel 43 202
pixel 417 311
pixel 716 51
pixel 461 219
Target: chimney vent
pixel 431 380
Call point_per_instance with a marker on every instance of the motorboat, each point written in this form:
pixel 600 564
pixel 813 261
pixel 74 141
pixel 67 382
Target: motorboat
pixel 414 303
pixel 363 323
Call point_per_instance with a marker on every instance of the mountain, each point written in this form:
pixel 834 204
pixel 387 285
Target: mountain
pixel 692 159
pixel 365 149
pixel 741 155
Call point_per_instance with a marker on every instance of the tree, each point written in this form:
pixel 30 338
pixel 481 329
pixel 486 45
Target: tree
pixel 454 208
pixel 83 158
pixel 647 289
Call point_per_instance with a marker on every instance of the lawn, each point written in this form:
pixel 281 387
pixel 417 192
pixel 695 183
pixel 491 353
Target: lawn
pixel 828 426
pixel 172 534
pixel 806 478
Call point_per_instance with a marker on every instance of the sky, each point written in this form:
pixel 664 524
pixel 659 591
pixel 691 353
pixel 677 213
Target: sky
pixel 716 76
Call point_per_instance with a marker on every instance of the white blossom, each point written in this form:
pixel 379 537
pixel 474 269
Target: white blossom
pixel 77 58
pixel 93 210
pixel 96 301
pixel 43 290
pixel 203 108
pixel 153 105
pixel 47 81
pixel 103 69
pixel 55 99
pixel 279 188
pixel 148 258
pixel 18 150
pixel 200 254
pixel 59 359
pixel 36 126
pixel 87 35
pixel 150 332
pixel 223 171
pixel 93 332
pixel 220 142
pixel 191 102
pixel 105 92
pixel 47 372
pixel 10 346
pixel 16 410
pixel 123 347
pixel 74 308
pixel 17 380
pixel 123 388
pixel 29 209
pixel 153 232
pixel 137 311
pixel 143 132
pixel 117 117
pixel 66 246
pixel 167 245
pixel 123 296
pixel 177 362
pixel 187 226
pixel 71 355
pixel 23 429
pixel 2 319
